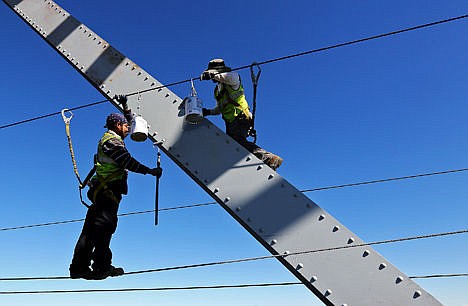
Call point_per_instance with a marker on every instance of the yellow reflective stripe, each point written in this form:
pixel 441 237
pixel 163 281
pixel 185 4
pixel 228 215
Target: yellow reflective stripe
pixel 108 136
pixel 232 102
pixel 105 166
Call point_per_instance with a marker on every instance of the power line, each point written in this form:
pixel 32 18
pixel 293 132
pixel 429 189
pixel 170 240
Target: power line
pixel 152 289
pixel 207 264
pixel 193 287
pixel 50 115
pixel 120 215
pixel 303 252
pixel 212 203
pixel 358 41
pixel 168 209
pixel 426 25
pixel 385 180
pixel 441 276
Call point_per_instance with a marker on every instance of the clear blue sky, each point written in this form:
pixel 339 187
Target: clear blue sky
pixel 390 107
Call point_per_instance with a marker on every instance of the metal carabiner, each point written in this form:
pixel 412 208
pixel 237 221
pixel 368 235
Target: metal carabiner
pixel 254 76
pixel 65 118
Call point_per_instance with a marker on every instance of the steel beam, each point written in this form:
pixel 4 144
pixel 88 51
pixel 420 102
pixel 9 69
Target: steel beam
pixel 277 214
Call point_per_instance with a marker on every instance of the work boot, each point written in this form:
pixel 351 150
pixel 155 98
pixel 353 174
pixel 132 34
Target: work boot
pixel 112 271
pixel 84 273
pixel 273 161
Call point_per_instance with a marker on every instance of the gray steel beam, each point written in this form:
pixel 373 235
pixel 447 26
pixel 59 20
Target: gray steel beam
pixel 277 214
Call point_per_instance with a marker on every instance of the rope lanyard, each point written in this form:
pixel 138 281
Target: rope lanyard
pixel 82 184
pixel 67 121
pixel 255 78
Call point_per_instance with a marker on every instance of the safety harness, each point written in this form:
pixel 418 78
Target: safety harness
pixel 245 110
pixel 226 95
pixel 102 182
pixel 82 184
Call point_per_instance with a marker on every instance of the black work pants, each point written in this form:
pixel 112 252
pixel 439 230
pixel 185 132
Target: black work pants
pixel 99 226
pixel 239 131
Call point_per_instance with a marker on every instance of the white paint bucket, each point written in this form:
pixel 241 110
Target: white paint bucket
pixel 139 129
pixel 193 109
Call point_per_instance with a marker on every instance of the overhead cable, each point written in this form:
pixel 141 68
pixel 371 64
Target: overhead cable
pixel 426 25
pixel 190 287
pixel 152 289
pixel 385 180
pixel 440 276
pixel 191 266
pixel 51 114
pixel 212 203
pixel 120 215
pixel 303 252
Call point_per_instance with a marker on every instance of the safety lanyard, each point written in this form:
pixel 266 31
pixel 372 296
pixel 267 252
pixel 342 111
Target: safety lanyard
pixel 82 184
pixel 255 78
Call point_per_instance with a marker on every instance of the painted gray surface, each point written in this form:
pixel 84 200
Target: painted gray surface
pixel 278 215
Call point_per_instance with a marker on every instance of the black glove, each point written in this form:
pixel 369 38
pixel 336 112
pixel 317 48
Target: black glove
pixel 128 115
pixel 122 99
pixel 206 112
pixel 206 75
pixel 155 172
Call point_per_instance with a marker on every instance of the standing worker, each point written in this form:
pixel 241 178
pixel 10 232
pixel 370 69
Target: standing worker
pixel 113 161
pixel 232 105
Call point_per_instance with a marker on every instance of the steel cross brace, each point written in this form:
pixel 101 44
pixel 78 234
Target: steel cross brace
pixel 277 214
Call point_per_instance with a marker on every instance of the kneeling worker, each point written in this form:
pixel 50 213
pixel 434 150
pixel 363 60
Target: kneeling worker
pixel 106 189
pixel 232 105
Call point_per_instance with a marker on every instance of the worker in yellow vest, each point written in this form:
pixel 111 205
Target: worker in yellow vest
pixel 113 161
pixel 232 105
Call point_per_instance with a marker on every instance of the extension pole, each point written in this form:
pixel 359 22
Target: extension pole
pixel 156 198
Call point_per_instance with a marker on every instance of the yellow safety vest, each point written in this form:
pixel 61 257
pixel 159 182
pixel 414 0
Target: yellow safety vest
pixel 232 102
pixel 106 168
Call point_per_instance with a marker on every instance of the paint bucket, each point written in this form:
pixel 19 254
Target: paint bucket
pixel 193 109
pixel 139 129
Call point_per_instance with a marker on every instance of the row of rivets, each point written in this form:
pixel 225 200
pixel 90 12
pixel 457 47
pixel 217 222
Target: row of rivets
pixel 52 5
pixel 350 240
